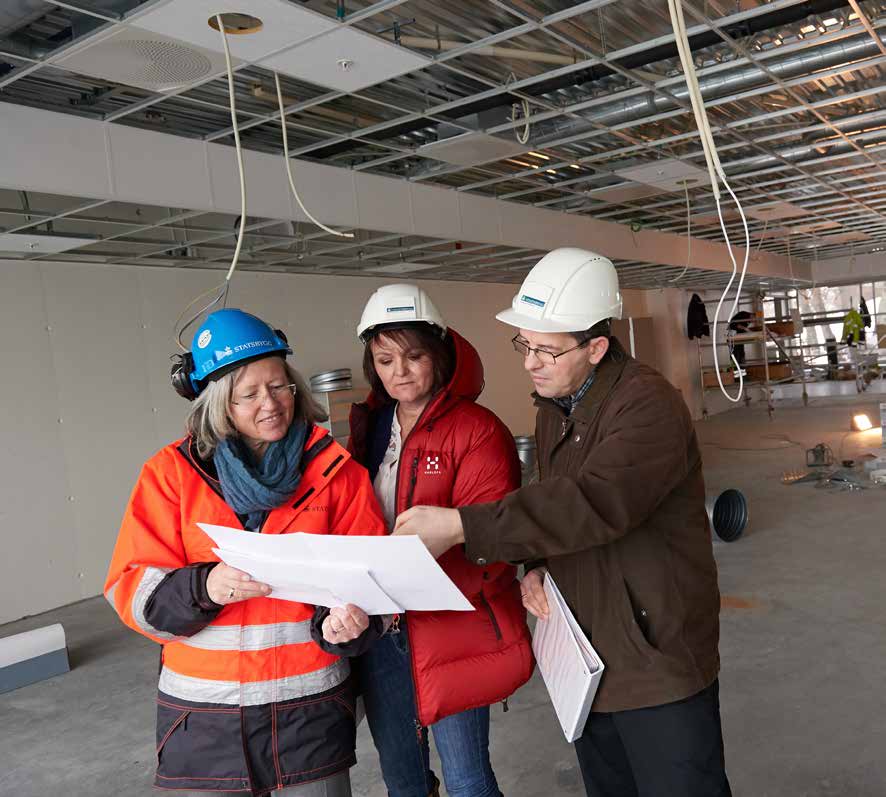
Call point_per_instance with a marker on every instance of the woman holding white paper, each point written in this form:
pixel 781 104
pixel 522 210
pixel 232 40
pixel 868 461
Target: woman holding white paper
pixel 426 441
pixel 248 702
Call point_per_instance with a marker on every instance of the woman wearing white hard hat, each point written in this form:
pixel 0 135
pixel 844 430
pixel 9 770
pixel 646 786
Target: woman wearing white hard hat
pixel 619 517
pixel 254 697
pixel 425 440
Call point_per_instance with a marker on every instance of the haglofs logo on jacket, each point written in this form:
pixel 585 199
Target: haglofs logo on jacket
pixel 432 464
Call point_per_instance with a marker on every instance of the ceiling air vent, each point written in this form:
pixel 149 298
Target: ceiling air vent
pixel 145 60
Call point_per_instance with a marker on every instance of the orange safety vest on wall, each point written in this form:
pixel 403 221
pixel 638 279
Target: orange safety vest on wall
pixel 254 652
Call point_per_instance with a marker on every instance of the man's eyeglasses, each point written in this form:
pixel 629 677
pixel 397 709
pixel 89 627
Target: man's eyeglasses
pixel 546 357
pixel 276 392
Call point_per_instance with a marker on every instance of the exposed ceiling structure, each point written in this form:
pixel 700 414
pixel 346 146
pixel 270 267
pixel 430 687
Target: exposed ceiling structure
pixel 443 95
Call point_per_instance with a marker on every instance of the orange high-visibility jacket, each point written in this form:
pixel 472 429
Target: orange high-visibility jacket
pixel 248 702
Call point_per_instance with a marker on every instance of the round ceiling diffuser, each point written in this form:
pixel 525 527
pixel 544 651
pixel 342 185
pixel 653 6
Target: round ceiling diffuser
pixel 155 63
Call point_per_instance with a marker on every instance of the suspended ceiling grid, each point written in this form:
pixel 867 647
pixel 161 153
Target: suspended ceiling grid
pixel 146 235
pixel 794 91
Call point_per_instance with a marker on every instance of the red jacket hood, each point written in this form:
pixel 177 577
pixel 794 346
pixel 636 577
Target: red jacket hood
pixel 466 383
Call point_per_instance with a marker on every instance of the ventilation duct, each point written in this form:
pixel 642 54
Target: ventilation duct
pixel 722 84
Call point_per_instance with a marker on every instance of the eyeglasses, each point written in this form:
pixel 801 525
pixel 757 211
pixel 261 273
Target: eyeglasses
pixel 545 357
pixel 276 392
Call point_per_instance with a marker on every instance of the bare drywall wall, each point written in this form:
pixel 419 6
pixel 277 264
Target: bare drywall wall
pixel 86 398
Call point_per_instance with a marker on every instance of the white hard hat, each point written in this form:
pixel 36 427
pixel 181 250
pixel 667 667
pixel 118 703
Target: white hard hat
pixel 398 305
pixel 568 290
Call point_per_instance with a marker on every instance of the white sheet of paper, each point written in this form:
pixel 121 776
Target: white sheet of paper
pixel 568 663
pixel 401 567
pixel 313 582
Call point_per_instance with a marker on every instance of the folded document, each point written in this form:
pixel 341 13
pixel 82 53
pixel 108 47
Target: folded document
pixel 381 575
pixel 568 663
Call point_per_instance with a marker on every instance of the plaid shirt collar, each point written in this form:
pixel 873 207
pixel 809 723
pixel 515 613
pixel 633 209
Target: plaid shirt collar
pixel 569 403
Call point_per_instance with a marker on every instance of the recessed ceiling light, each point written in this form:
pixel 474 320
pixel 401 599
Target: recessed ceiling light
pixel 551 171
pixel 538 155
pixel 574 166
pixel 807 29
pixel 236 24
pixel 831 21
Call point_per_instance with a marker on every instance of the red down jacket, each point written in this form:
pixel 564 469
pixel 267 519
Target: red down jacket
pixel 459 453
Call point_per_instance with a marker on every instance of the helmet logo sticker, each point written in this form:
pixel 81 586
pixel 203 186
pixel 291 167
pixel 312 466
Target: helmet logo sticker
pixel 254 344
pixel 205 338
pixel 403 309
pixel 226 352
pixel 532 300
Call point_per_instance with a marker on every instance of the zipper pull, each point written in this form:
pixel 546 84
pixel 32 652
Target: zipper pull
pixel 504 705
pixel 395 625
pixel 418 730
pixel 563 428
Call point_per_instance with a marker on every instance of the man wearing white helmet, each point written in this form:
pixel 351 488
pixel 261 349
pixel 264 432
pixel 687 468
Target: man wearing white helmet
pixel 618 519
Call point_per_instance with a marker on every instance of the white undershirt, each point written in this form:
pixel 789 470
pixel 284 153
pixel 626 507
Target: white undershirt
pixel 385 483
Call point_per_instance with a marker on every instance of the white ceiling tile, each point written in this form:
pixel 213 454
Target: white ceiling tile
pixel 371 61
pixel 627 192
pixel 146 60
pixel 668 173
pixel 468 149
pixel 845 237
pixel 812 226
pixel 284 24
pixel 778 210
pixel 35 244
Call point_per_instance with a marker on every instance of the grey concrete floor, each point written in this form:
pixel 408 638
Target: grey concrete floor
pixel 803 646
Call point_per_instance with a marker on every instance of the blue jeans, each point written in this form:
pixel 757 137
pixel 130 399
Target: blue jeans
pixel 462 740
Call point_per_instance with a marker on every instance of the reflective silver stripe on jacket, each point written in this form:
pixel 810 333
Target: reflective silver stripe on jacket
pixel 253 693
pixel 250 637
pixel 109 595
pixel 149 581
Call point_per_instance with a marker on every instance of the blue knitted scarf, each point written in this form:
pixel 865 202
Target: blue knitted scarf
pixel 252 488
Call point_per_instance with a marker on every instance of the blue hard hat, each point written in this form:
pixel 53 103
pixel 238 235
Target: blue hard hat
pixel 228 339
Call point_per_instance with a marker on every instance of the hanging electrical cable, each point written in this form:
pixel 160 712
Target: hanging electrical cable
pixel 522 138
pixel 223 288
pixel 688 236
pixel 239 149
pixel 717 176
pixel 289 167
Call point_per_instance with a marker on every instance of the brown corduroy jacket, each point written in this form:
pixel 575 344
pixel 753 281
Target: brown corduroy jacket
pixel 619 517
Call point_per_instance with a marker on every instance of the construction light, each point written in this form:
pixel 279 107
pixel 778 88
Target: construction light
pixel 861 423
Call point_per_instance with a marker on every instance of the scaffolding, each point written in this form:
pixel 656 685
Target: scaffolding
pixel 782 344
pixel 762 372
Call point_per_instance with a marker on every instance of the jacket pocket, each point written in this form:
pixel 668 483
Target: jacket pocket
pixel 636 622
pixel 492 618
pixel 199 744
pixel 317 735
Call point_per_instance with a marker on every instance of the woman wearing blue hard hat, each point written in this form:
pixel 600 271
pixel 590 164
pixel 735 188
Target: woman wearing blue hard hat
pixel 248 701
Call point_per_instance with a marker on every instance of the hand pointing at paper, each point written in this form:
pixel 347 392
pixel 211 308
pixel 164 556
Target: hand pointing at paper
pixel 439 529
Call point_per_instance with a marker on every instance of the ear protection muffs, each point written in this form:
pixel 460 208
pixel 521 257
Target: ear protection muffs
pixel 180 375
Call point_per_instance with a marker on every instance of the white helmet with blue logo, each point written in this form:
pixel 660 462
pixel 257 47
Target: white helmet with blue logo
pixel 399 305
pixel 568 290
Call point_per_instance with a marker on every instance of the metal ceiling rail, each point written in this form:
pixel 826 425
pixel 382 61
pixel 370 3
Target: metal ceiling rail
pixel 45 219
pixel 615 101
pixel 526 82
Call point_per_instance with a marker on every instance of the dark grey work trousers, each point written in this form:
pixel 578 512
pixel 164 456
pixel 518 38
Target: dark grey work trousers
pixel 674 750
